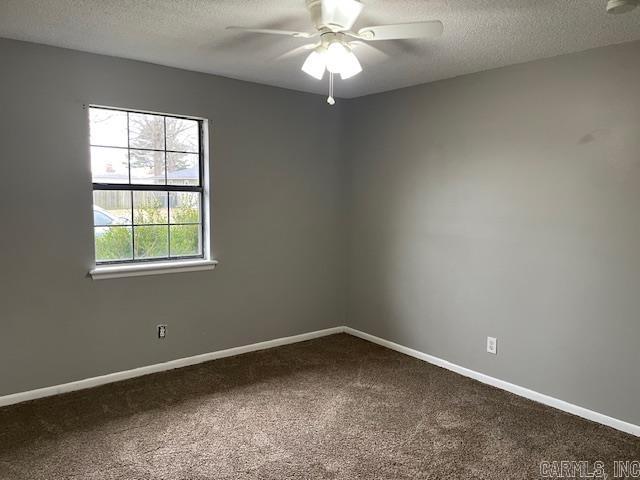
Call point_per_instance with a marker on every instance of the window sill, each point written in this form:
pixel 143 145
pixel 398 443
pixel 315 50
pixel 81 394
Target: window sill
pixel 104 272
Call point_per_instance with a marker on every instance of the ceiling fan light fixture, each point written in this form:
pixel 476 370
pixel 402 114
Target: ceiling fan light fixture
pixel 341 60
pixel 315 65
pixel 351 67
pixel 336 57
pixel 621 6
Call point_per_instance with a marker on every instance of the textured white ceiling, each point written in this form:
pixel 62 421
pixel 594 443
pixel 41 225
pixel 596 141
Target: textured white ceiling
pixel 479 35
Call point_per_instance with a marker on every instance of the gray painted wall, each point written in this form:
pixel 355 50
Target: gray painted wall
pixel 506 203
pixel 502 203
pixel 278 231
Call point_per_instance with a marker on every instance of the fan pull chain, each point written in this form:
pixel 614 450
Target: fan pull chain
pixel 331 100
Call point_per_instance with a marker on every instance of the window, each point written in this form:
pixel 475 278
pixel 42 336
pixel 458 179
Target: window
pixel 148 187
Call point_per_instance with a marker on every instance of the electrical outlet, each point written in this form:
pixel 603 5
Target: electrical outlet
pixel 492 345
pixel 162 331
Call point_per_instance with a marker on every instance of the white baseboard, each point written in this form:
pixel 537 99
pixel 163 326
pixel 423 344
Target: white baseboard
pixel 160 367
pixel 206 357
pixel 510 387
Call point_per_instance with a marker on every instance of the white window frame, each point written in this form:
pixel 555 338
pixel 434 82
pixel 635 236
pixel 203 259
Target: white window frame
pixel 142 268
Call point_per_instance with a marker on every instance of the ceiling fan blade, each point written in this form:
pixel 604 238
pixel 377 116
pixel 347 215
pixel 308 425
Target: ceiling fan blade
pixel 296 51
pixel 268 31
pixel 402 31
pixel 341 14
pixel 374 54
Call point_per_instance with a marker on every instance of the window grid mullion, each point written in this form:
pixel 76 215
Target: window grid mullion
pixel 144 149
pixel 150 225
pixel 168 195
pixel 133 231
pixel 128 148
pixel 133 228
pixel 147 187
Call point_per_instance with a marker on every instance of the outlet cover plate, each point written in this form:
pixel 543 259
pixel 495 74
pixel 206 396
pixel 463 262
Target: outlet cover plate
pixel 492 345
pixel 162 331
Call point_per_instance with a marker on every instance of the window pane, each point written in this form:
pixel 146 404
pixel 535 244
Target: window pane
pixel 111 207
pixel 108 127
pixel 150 208
pixel 183 135
pixel 145 149
pixel 184 207
pixel 109 165
pixel 185 240
pixel 146 131
pixel 183 169
pixel 147 167
pixel 113 243
pixel 151 241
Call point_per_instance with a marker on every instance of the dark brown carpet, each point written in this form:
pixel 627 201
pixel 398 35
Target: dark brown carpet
pixel 333 408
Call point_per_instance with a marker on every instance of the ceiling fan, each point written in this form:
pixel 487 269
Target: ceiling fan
pixel 333 48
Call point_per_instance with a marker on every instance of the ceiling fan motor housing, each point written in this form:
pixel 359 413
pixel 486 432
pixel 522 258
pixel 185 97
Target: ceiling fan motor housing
pixel 333 15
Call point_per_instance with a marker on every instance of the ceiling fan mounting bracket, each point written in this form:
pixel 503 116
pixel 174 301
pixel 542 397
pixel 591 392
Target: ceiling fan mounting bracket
pixel 328 37
pixel 324 18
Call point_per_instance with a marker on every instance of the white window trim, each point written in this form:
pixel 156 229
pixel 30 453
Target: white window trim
pixel 105 272
pixel 122 270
